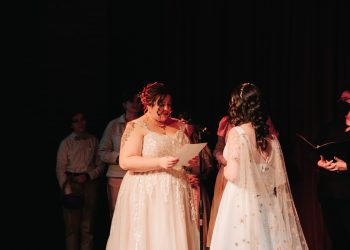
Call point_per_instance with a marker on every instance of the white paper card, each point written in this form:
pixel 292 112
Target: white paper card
pixel 187 152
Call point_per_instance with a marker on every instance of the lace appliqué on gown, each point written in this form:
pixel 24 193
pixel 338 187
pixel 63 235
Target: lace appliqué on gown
pixel 155 209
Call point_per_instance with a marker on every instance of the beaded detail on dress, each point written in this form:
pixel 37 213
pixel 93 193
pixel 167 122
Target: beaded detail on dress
pixel 161 201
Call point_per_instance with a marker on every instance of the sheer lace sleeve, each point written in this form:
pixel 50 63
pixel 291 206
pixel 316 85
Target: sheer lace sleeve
pixel 232 155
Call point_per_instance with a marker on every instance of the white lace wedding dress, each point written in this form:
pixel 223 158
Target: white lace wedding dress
pixel 155 210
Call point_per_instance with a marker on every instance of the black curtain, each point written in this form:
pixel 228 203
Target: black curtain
pixel 298 53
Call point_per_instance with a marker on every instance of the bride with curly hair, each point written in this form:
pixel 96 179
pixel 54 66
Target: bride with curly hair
pixel 257 209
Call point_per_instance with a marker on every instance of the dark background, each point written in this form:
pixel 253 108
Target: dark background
pixel 298 53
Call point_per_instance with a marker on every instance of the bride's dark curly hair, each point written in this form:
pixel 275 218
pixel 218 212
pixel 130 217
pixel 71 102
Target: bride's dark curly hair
pixel 246 105
pixel 152 93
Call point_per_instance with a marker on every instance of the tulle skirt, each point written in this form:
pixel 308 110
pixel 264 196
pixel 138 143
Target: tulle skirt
pixel 154 211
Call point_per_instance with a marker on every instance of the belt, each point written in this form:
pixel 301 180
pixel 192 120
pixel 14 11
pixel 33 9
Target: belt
pixel 73 174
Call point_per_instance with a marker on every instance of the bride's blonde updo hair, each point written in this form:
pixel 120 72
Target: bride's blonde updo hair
pixel 153 93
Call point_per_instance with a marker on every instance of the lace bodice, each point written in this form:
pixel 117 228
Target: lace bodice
pixel 158 145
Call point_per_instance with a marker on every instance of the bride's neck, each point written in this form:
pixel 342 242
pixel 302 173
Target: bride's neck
pixel 155 122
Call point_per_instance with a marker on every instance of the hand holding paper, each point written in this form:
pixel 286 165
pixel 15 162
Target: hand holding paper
pixel 188 152
pixel 168 161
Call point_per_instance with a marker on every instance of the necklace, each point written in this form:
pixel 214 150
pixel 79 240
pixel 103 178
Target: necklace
pixel 163 127
pixel 157 124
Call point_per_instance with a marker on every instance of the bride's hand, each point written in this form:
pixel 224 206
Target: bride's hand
pixel 168 161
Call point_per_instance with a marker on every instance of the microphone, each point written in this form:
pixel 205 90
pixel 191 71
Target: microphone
pixel 200 128
pixel 197 127
pixel 201 131
pixel 204 130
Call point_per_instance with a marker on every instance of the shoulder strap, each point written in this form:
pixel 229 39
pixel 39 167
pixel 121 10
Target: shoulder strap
pixel 141 123
pixel 239 130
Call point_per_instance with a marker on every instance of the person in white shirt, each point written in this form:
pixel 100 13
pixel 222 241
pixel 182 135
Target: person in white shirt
pixel 110 144
pixel 78 169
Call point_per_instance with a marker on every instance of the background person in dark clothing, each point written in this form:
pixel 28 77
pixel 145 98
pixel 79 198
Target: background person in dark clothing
pixel 334 177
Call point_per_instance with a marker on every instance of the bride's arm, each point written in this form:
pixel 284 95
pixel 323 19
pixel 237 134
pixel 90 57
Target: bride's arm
pixel 231 170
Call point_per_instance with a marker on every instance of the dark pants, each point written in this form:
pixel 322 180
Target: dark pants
pixel 79 223
pixel 336 214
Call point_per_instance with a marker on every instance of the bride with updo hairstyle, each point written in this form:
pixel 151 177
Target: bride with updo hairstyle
pixel 155 209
